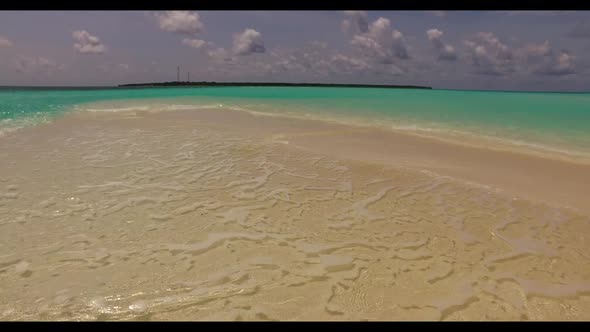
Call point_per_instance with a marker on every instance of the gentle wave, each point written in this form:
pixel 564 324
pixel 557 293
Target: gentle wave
pixel 152 108
pixel 123 109
pixel 9 126
pixel 430 130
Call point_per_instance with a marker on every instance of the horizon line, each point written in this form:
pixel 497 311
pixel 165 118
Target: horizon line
pixel 184 84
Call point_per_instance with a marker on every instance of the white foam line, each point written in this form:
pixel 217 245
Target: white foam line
pixel 123 109
pixel 424 130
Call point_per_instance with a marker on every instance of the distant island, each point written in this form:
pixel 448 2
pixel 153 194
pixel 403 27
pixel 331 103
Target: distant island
pixel 214 84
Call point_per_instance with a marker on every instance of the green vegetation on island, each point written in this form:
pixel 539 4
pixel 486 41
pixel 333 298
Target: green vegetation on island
pixel 218 84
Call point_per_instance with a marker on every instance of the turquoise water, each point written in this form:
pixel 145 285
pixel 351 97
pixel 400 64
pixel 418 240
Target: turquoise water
pixel 559 120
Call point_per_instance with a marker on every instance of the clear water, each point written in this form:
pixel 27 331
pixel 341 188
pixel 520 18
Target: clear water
pixel 554 120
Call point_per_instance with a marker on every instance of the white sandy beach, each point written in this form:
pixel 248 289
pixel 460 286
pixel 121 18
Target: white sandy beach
pixel 223 215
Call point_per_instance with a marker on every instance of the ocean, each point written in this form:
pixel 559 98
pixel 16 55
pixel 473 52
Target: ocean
pixel 256 203
pixel 557 122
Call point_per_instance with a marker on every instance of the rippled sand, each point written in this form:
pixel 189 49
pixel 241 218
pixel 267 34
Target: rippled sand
pixel 215 215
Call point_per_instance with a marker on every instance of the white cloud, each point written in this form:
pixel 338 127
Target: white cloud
pixel 560 65
pixel 533 53
pixel 399 45
pixel 314 63
pixel 287 65
pixel 542 59
pixel 344 64
pixel 26 64
pixel 304 60
pixel 438 13
pixel 500 50
pixel 381 43
pixel 217 53
pixel 543 49
pixel 5 42
pixel 87 43
pixel 248 42
pixel 356 22
pixel 315 60
pixel 489 55
pixel 210 49
pixel 114 68
pixel 220 54
pixel 434 34
pixel 184 22
pixel 194 43
pixel 446 52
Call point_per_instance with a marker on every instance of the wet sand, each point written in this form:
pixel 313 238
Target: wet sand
pixel 222 215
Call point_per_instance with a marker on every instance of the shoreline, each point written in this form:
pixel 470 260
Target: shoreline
pixel 551 179
pixel 149 215
pixel 556 179
pixel 447 135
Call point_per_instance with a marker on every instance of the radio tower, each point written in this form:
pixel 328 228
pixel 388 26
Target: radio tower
pixel 188 76
pixel 178 74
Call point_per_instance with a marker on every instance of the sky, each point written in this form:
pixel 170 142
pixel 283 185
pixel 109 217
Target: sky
pixel 482 50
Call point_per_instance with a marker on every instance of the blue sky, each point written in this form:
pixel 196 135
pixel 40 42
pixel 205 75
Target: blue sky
pixel 454 49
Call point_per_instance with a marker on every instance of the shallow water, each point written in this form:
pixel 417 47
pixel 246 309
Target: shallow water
pixel 129 216
pixel 558 122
